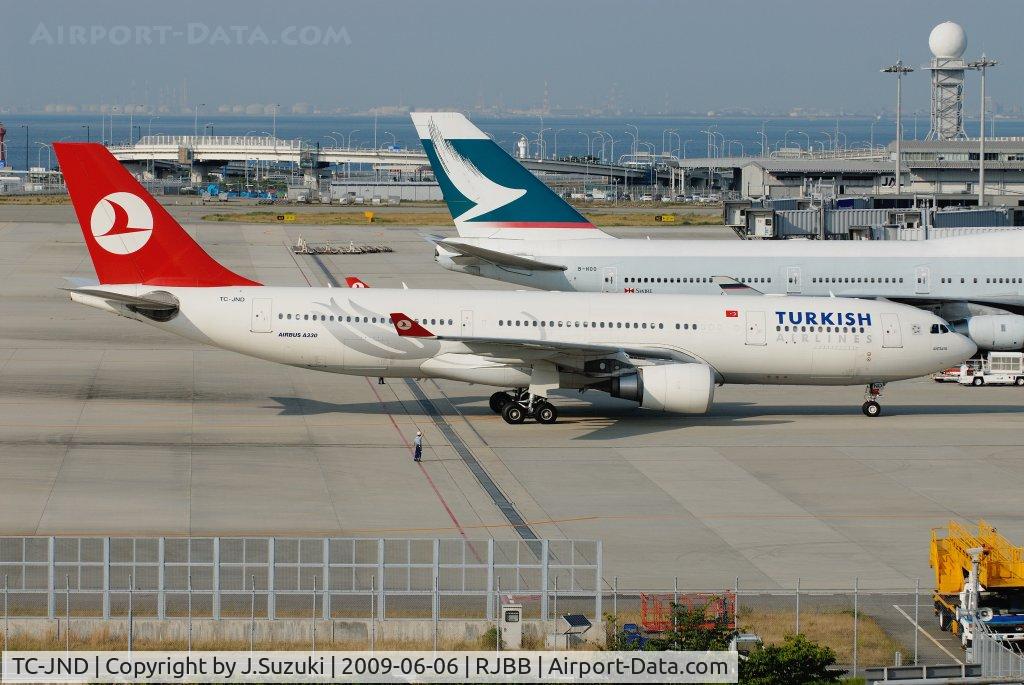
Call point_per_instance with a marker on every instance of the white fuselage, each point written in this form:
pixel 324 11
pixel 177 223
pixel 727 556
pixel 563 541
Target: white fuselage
pixel 987 269
pixel 775 340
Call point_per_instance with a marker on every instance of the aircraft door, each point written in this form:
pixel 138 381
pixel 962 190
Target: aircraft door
pixel 467 322
pixel 755 328
pixel 608 280
pixel 793 279
pixel 261 313
pixel 922 280
pixel 892 336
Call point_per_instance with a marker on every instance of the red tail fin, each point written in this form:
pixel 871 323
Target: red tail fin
pixel 130 236
pixel 354 282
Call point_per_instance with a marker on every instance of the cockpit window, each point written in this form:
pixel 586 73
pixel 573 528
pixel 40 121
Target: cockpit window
pixel 938 328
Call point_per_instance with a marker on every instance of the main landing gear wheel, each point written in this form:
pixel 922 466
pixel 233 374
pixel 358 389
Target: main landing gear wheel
pixel 872 393
pixel 499 400
pixel 545 412
pixel 513 413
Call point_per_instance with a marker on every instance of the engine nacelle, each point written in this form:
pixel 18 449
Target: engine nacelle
pixel 993 332
pixel 679 388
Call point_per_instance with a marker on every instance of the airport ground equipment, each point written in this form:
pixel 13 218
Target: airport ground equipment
pixel 656 609
pixel 979 577
pixel 996 368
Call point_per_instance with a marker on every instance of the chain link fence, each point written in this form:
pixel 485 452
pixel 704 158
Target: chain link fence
pixel 256 583
pixel 272 578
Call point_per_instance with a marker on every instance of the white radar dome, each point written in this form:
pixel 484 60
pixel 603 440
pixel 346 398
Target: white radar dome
pixel 947 40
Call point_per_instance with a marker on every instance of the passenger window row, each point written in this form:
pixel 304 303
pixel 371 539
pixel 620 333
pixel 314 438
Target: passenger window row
pixel 689 279
pixel 855 279
pixel 356 319
pixel 579 324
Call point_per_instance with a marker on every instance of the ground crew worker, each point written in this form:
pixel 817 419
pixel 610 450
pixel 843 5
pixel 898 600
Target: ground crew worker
pixel 417 454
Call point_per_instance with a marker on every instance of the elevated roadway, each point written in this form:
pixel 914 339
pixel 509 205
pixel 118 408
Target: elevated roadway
pixel 213 151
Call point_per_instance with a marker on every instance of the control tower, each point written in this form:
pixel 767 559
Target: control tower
pixel 947 42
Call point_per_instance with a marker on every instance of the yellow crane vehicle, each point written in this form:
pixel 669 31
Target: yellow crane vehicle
pixel 979 579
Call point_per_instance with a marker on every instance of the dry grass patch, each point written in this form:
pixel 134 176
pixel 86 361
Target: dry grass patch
pixel 61 199
pixel 832 628
pixel 393 217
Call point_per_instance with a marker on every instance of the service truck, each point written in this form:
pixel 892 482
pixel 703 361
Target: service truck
pixel 996 368
pixel 979 583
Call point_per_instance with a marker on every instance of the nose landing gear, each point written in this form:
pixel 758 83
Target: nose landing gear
pixel 517 406
pixel 872 393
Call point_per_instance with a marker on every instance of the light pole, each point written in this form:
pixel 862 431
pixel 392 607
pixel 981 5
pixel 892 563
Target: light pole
pixel 25 126
pixel 636 137
pixel 982 65
pixel 633 149
pixel 688 140
pixel 274 126
pixel 87 132
pixel 557 130
pixel 804 133
pixel 669 131
pixel 590 150
pixel 710 171
pixel 348 144
pixel 899 69
pixel 195 123
pixel 394 141
pixel 872 127
pixel 611 142
pixel 149 132
pixel 830 142
pixel 39 153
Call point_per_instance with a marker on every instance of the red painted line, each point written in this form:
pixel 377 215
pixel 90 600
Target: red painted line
pixel 533 224
pixel 440 497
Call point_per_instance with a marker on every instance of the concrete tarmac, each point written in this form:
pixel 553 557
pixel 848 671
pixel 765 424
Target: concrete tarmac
pixel 108 426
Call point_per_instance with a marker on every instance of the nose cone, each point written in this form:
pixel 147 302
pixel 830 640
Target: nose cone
pixel 965 346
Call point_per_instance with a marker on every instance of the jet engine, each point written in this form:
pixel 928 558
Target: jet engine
pixel 993 332
pixel 679 388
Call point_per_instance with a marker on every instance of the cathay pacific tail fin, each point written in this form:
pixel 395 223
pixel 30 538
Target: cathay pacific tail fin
pixel 490 194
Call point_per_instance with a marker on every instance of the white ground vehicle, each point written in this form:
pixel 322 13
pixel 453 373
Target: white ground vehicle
pixel 997 368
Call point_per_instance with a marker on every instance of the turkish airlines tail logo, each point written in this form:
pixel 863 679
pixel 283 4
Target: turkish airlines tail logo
pixel 130 236
pixel 407 327
pixel 121 223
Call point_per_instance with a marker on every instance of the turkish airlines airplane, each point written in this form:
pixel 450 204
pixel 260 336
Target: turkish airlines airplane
pixel 514 228
pixel 665 352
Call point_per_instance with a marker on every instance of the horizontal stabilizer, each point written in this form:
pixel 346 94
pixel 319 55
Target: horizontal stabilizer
pixel 500 258
pixel 156 301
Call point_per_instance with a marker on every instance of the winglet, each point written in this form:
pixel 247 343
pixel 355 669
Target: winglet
pixel 354 282
pixel 406 327
pixel 730 286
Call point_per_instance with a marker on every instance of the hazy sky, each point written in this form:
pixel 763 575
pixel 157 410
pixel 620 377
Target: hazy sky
pixel 426 53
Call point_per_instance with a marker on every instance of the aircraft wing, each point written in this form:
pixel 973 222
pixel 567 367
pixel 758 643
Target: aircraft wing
pixel 409 328
pixel 499 258
pixel 156 301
